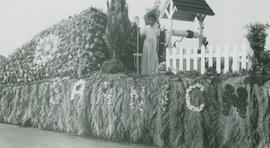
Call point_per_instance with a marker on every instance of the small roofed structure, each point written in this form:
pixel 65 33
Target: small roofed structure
pixel 186 10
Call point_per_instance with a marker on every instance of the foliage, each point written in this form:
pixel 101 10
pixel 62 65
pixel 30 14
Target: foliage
pixel 74 47
pixel 231 99
pixel 162 46
pixel 2 58
pixel 118 32
pixel 257 38
pixel 260 62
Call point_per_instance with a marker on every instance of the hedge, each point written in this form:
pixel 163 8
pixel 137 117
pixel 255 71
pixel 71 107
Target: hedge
pixel 149 110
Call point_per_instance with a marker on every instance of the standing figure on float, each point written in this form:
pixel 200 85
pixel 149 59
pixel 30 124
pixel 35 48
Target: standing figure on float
pixel 151 35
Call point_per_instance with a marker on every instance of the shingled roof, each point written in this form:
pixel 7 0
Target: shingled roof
pixel 188 9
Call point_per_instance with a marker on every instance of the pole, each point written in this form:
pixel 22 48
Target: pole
pixel 138 45
pixel 138 48
pixel 201 19
pixel 171 25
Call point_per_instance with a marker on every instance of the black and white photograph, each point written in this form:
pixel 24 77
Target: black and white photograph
pixel 134 74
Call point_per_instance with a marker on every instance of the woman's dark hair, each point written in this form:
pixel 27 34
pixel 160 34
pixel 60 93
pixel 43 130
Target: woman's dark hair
pixel 152 16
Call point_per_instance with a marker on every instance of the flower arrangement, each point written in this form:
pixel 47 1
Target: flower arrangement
pixel 161 68
pixel 136 101
pixel 55 96
pixel 164 98
pixel 189 105
pixel 78 89
pixel 256 36
pixel 74 47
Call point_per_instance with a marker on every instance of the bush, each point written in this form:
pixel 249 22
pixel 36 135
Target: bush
pixel 74 47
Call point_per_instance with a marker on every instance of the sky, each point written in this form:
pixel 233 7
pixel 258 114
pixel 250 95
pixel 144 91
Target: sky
pixel 20 20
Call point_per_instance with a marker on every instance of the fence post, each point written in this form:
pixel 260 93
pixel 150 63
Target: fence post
pixel 188 58
pixel 202 60
pixel 244 56
pixel 174 56
pixel 195 58
pixel 210 57
pixel 249 54
pixel 218 63
pixel 168 59
pixel 226 59
pixel 235 58
pixel 181 59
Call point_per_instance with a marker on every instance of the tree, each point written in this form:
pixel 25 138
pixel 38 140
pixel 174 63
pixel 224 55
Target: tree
pixel 257 39
pixel 117 35
pixel 260 63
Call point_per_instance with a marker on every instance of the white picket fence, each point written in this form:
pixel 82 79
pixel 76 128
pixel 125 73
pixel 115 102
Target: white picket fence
pixel 223 58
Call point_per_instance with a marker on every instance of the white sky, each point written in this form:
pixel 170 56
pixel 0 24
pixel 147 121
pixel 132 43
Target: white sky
pixel 20 20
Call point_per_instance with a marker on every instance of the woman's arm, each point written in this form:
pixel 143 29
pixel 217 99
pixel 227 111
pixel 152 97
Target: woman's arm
pixel 142 36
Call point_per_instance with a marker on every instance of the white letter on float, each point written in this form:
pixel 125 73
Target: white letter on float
pixel 79 91
pixel 189 105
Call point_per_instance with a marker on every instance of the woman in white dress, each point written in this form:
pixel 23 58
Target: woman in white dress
pixel 150 50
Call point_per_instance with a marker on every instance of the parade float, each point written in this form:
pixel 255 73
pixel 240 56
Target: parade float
pixel 54 82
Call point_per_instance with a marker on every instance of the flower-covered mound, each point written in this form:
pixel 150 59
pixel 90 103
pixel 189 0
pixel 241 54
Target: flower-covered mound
pixel 150 110
pixel 74 47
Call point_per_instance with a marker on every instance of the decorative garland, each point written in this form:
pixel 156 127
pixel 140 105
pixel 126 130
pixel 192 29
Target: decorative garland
pixel 189 105
pixel 164 98
pixel 108 93
pixel 267 85
pixel 141 104
pixel 45 49
pixel 55 92
pixel 79 91
pixel 135 99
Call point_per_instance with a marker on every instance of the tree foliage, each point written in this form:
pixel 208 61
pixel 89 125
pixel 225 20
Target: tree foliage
pixel 257 38
pixel 261 61
pixel 117 35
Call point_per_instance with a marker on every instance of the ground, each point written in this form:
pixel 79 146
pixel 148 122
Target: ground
pixel 12 136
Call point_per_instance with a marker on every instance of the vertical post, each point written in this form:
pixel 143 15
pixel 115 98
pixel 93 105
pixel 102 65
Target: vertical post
pixel 188 59
pixel 235 58
pixel 244 57
pixel 174 57
pixel 202 60
pixel 171 23
pixel 249 57
pixel 195 58
pixel 181 59
pixel 210 57
pixel 168 56
pixel 218 63
pixel 172 10
pixel 138 47
pixel 226 59
pixel 201 19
